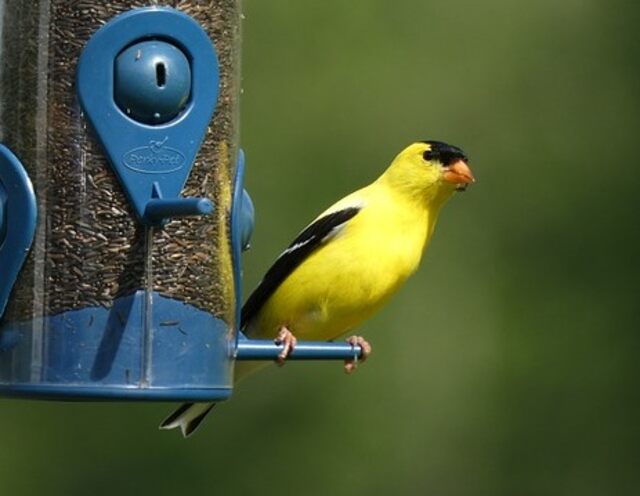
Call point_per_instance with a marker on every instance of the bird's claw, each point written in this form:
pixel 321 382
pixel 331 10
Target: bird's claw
pixel 285 337
pixel 352 364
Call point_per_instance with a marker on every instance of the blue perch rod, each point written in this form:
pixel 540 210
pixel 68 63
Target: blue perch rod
pixel 250 349
pixel 159 209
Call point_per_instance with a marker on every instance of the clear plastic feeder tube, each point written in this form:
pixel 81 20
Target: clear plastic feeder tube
pixel 105 307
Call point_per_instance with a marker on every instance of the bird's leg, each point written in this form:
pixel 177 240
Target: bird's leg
pixel 351 364
pixel 286 337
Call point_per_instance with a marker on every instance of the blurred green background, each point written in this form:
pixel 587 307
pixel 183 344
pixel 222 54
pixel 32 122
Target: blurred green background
pixel 509 364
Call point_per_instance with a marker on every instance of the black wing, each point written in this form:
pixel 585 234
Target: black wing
pixel 306 243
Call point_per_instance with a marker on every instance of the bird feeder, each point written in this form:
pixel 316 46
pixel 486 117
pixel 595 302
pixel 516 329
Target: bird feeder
pixel 122 208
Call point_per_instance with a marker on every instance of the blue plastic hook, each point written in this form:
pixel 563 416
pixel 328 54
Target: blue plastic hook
pixel 18 215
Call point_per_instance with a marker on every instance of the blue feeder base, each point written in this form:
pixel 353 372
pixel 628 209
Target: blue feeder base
pixel 81 393
pixel 96 353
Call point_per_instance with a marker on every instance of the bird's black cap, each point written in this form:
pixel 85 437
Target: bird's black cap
pixel 444 153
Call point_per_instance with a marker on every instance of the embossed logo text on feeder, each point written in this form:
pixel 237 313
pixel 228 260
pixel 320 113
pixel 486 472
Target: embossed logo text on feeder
pixel 154 158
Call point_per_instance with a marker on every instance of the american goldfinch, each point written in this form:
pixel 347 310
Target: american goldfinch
pixel 350 260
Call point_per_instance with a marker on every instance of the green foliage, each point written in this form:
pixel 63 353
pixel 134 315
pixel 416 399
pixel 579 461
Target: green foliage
pixel 508 365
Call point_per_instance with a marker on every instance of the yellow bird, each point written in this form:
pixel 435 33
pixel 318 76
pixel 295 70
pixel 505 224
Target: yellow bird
pixel 350 260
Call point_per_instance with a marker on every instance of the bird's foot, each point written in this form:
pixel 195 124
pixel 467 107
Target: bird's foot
pixel 285 337
pixel 352 364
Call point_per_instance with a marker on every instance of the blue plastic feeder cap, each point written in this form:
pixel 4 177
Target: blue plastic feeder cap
pixel 152 81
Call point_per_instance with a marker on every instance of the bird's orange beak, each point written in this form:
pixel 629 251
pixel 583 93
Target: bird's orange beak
pixel 459 174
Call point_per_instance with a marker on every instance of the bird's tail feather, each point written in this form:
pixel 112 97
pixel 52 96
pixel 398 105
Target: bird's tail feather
pixel 188 417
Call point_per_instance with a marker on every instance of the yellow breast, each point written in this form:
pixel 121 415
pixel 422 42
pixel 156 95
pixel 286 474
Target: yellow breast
pixel 350 277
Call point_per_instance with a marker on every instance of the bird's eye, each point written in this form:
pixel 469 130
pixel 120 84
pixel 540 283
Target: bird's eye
pixel 429 155
pixel 442 153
